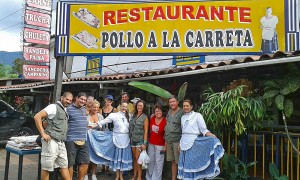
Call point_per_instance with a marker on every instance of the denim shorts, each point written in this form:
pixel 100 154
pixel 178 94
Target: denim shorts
pixel 77 154
pixel 136 144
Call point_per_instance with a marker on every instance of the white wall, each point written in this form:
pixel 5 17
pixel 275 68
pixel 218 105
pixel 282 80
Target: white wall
pixel 115 64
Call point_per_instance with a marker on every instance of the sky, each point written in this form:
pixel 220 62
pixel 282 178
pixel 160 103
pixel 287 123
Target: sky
pixel 10 38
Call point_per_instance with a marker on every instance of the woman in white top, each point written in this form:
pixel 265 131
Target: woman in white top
pixel 195 151
pixel 93 118
pixel 121 160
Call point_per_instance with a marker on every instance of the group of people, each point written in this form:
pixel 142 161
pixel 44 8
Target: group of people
pixel 81 132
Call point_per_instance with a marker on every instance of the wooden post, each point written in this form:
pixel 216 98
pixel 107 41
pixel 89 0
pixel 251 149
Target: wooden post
pixel 58 78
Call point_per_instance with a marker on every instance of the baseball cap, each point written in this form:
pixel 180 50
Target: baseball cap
pixel 135 100
pixel 109 97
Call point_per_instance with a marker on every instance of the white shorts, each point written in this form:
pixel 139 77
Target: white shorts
pixel 54 155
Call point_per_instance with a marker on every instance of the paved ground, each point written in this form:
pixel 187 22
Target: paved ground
pixel 30 167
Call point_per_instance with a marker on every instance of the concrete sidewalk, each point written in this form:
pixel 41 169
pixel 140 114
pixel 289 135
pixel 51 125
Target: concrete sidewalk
pixel 30 167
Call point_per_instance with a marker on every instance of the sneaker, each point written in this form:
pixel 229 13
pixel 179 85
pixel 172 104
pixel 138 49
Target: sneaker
pixel 86 177
pixel 94 177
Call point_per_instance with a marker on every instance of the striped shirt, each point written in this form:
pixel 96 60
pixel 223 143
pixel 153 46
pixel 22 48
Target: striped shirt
pixel 77 124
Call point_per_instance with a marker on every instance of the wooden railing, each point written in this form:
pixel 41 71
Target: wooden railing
pixel 265 147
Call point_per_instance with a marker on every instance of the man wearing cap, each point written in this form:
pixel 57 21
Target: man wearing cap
pixel 125 98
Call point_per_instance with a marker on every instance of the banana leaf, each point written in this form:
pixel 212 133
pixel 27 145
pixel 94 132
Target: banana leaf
pixel 182 91
pixel 151 89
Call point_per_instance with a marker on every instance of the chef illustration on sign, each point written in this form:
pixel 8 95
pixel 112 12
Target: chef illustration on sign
pixel 268 22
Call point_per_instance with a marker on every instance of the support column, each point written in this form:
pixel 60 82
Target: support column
pixel 58 78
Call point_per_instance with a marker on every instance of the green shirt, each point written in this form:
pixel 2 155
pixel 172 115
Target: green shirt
pixel 173 126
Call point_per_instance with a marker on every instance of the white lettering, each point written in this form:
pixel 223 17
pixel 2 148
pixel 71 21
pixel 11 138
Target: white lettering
pixel 39 19
pixel 37 36
pixel 41 2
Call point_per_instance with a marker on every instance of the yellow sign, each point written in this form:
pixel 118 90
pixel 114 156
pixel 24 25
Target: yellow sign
pixel 206 27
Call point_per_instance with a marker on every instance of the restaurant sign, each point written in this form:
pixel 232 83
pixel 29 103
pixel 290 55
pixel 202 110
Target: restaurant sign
pixel 174 27
pixel 36 36
pixel 36 54
pixel 37 19
pixel 36 72
pixel 40 4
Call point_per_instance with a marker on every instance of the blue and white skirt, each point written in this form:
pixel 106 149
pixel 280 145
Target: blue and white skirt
pixel 122 159
pixel 103 151
pixel 201 160
pixel 102 148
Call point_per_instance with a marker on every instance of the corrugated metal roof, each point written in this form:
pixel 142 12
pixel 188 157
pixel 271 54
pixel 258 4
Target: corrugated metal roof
pixel 278 57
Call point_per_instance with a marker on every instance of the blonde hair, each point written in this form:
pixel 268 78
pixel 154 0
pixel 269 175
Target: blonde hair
pixel 96 102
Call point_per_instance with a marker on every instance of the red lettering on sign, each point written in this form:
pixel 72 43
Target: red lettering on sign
pixel 147 12
pixel 176 13
pixel 245 15
pixel 159 14
pixel 134 15
pixel 187 11
pixel 230 12
pixel 108 17
pixel 201 13
pixel 216 13
pixel 122 16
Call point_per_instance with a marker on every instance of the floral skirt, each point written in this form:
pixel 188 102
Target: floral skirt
pixel 201 160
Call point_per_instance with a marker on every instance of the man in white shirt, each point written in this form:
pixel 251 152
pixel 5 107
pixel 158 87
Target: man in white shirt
pixel 54 152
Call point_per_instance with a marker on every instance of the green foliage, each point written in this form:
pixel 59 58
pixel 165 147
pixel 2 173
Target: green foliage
pixel 234 168
pixel 182 91
pixel 288 107
pixel 279 99
pixel 7 98
pixel 232 111
pixel 13 76
pixel 5 71
pixel 274 172
pixel 151 89
pixel 278 91
pixel 159 91
pixel 12 72
pixel 18 66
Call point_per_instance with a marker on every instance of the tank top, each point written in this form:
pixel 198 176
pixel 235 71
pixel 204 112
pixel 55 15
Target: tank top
pixel 109 126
